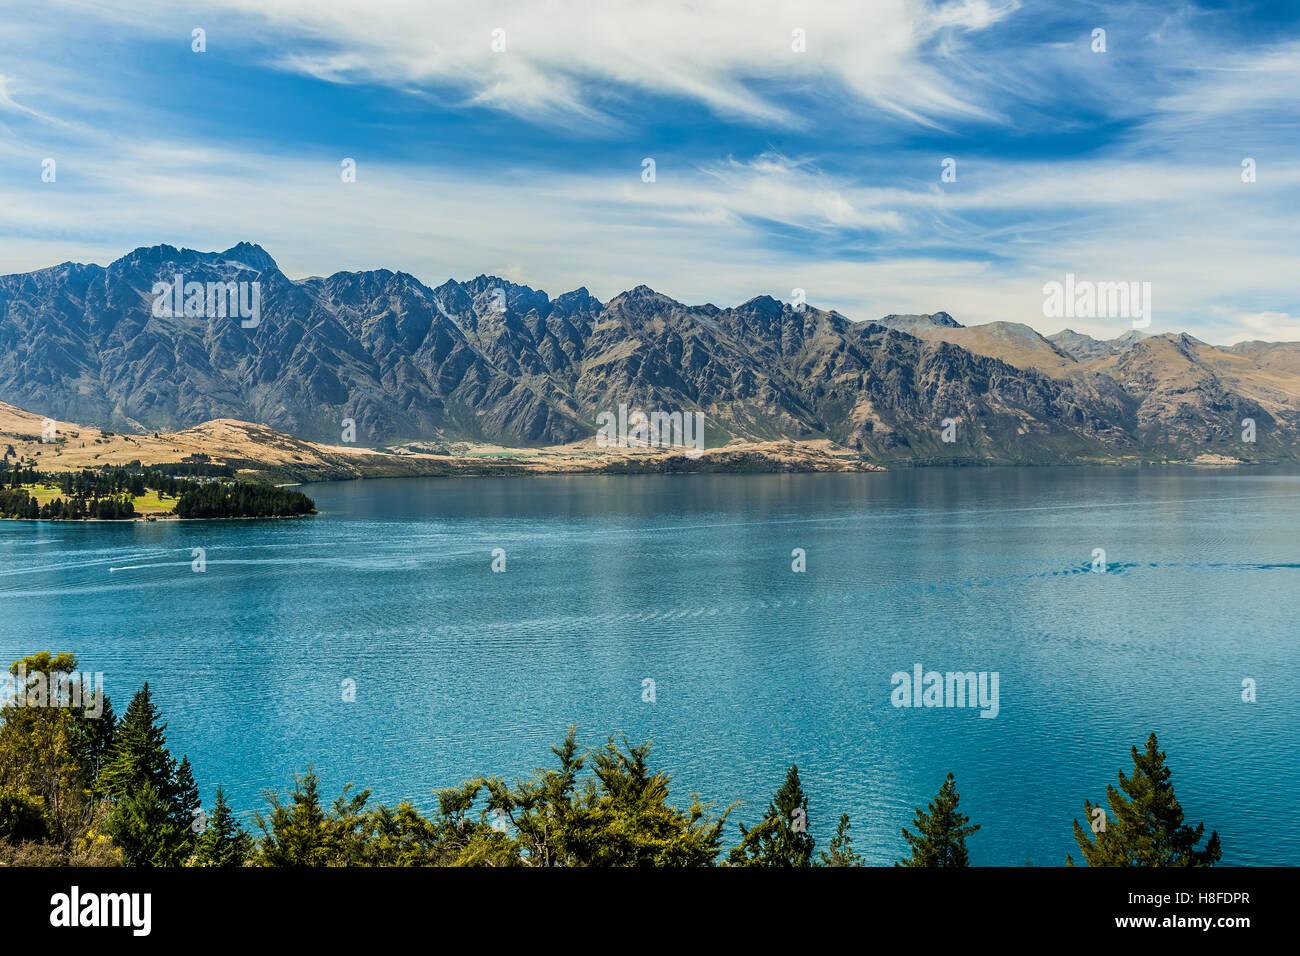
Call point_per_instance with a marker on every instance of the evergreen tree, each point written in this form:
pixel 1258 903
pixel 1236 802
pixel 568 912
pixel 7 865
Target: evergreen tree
pixel 93 738
pixel 297 833
pixel 543 812
pixel 185 796
pixel 841 849
pixel 624 819
pixel 224 842
pixel 782 839
pixel 141 825
pixel 619 817
pixel 1145 824
pixel 941 832
pixel 139 753
pixel 401 836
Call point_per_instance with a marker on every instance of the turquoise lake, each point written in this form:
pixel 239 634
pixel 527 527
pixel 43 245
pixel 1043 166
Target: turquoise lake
pixel 687 581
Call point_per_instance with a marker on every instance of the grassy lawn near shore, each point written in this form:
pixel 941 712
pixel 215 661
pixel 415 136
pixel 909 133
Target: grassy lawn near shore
pixel 146 504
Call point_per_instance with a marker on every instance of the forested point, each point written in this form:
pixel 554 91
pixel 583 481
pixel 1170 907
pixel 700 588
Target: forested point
pixel 242 499
pixel 83 790
pixel 109 493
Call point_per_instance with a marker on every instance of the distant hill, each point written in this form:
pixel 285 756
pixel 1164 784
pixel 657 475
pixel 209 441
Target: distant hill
pixel 489 361
pixel 260 452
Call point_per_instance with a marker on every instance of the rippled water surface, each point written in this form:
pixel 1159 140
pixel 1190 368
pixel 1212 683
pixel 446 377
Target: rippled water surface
pixel 687 580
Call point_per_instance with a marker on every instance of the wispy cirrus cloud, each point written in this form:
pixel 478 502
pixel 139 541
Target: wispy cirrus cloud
pixel 566 57
pixel 775 169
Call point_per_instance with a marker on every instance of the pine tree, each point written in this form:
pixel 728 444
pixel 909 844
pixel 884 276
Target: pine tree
pixel 941 832
pixel 298 833
pixel 1144 828
pixel 141 825
pixel 185 796
pixel 139 753
pixel 782 838
pixel 93 738
pixel 224 842
pixel 841 849
pixel 623 817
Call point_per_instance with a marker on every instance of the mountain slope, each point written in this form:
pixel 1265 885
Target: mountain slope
pixel 490 361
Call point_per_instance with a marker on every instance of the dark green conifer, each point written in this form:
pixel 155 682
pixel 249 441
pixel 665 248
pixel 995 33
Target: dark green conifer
pixel 139 753
pixel 841 847
pixel 782 838
pixel 141 825
pixel 1145 824
pixel 185 796
pixel 223 842
pixel 941 834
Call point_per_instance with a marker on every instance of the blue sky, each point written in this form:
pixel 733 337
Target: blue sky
pixel 775 169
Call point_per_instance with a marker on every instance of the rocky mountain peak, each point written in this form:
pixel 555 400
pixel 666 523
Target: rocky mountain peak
pixel 408 362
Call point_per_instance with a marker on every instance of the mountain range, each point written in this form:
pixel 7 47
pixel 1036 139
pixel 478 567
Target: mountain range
pixel 488 360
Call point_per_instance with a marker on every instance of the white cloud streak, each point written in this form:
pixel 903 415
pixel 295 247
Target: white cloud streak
pixel 887 238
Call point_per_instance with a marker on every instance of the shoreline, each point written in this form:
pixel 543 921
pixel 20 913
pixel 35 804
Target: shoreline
pixel 520 473
pixel 865 469
pixel 157 518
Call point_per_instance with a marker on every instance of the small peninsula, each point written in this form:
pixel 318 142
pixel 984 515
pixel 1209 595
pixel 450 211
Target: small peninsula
pixel 190 489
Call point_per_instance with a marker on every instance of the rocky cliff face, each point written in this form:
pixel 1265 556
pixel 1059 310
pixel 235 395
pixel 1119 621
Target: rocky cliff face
pixel 490 360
